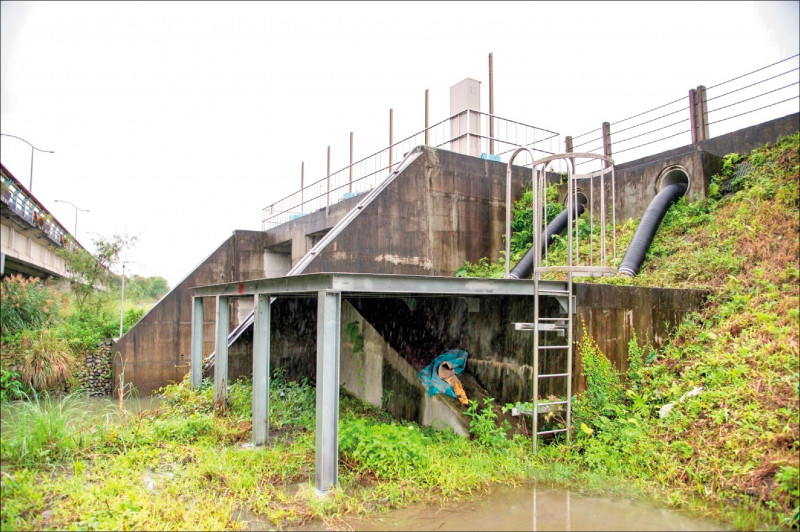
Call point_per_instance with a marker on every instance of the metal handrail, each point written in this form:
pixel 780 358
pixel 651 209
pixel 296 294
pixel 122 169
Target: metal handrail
pixel 374 168
pixel 24 204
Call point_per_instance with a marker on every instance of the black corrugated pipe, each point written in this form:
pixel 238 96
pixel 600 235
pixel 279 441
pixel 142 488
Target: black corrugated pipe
pixel 524 267
pixel 646 231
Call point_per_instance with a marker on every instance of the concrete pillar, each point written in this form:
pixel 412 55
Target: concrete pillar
pixel 698 114
pixel 261 338
pixel 327 445
pixel 221 350
pixel 702 112
pixel 607 139
pixel 196 357
pixel 465 121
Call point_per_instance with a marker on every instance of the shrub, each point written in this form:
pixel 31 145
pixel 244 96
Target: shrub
pixel 27 305
pixel 46 360
pixel 11 386
pixel 387 450
pixel 483 424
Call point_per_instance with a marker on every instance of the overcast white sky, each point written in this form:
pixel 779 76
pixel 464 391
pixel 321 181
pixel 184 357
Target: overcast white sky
pixel 179 122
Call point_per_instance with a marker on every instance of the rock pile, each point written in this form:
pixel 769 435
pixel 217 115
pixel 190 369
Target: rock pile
pixel 97 377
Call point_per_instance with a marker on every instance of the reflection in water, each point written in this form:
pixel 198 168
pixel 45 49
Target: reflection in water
pixel 527 508
pixel 94 406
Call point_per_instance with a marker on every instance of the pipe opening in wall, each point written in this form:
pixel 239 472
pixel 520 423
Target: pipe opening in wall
pixel 672 175
pixel 580 196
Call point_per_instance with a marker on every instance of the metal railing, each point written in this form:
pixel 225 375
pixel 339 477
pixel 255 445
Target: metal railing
pixel 27 207
pixel 771 91
pixel 460 132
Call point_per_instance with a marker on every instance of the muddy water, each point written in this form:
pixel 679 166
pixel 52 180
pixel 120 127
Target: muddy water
pixel 526 508
pixel 96 406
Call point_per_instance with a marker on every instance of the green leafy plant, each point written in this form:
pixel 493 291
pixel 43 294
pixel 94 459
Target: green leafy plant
pixel 483 423
pixel 387 450
pixel 27 304
pixel 11 386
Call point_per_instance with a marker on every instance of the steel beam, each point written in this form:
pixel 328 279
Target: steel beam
pixel 329 305
pixel 261 340
pixel 196 357
pixel 221 350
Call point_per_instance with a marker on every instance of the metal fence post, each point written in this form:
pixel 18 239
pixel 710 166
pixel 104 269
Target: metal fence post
pixel 221 356
pixel 327 414
pixel 391 125
pixel 351 163
pixel 328 194
pixel 196 356
pixel 261 353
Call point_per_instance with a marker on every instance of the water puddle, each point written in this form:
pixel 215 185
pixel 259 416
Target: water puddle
pixel 527 508
pixel 93 406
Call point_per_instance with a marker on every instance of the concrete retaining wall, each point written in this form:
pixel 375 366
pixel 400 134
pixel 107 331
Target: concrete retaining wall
pixel 156 350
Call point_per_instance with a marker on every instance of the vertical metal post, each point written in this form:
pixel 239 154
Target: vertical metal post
pixel 491 105
pixel 30 176
pixel 302 184
pixel 261 339
pixel 327 437
pixel 196 356
pixel 221 350
pixel 693 115
pixel 606 140
pixel 328 194
pixel 391 128
pixel 122 292
pixel 427 138
pixel 351 163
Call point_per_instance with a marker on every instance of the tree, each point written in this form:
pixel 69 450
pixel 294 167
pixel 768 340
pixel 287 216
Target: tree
pixel 91 273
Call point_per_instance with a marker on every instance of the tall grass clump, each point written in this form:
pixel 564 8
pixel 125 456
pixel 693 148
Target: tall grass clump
pixel 44 430
pixel 46 360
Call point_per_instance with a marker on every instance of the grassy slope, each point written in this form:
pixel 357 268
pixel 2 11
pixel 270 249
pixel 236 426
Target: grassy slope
pixel 737 442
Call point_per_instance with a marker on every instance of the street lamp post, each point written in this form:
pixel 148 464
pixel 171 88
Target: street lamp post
pixel 122 301
pixel 75 229
pixel 30 175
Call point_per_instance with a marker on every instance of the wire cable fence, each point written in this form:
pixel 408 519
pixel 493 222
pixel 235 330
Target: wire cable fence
pixel 463 133
pixel 758 96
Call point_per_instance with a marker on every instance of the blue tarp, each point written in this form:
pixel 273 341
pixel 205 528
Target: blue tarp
pixel 429 375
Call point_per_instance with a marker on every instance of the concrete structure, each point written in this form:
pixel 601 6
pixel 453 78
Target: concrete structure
pixel 29 234
pixel 329 289
pixel 441 209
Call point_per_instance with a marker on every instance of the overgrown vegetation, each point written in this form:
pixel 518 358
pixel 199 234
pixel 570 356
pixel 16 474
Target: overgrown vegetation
pixel 731 447
pixel 186 466
pixel 48 329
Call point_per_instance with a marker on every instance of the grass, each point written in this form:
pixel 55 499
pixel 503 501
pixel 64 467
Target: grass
pixel 186 467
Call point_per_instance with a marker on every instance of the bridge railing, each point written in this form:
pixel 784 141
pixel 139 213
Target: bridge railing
pixel 25 205
pixel 465 132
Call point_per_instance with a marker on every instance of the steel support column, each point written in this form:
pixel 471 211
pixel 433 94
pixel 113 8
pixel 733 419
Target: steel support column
pixel 221 350
pixel 327 446
pixel 196 357
pixel 261 339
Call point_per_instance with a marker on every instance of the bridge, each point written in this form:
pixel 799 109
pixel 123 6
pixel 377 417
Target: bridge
pixel 29 235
